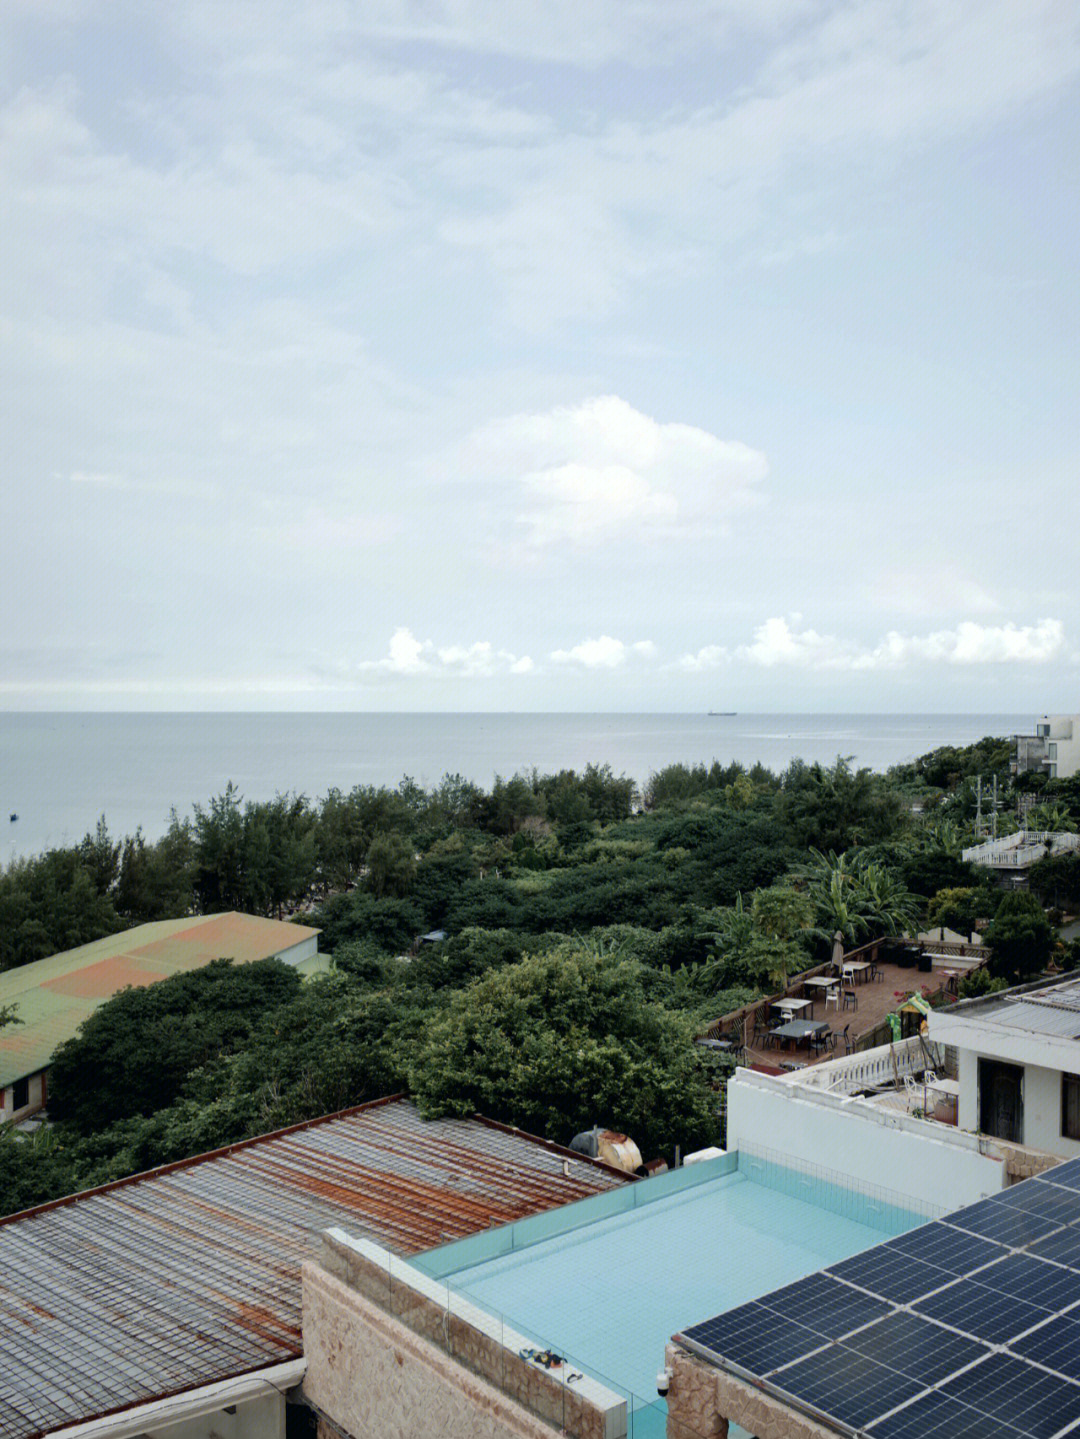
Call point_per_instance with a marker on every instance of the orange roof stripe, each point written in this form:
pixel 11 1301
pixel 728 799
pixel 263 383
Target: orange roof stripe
pixel 53 996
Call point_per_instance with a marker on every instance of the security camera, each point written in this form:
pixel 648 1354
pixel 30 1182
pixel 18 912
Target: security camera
pixel 663 1382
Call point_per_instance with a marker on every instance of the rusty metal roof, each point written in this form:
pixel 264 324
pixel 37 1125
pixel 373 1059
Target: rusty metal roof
pixel 191 1274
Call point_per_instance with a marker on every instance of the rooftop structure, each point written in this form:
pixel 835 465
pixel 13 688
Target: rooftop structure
pixel 577 1304
pixel 1014 853
pixel 1053 750
pixel 965 1328
pixel 53 996
pixel 189 1276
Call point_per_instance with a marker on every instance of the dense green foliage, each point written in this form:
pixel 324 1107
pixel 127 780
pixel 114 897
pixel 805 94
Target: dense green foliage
pixel 132 1056
pixel 591 934
pixel 1020 937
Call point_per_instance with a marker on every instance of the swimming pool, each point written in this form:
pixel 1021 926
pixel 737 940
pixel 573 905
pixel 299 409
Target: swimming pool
pixel 615 1281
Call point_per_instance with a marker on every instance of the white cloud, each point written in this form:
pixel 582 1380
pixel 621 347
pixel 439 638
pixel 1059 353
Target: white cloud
pixel 707 658
pixel 602 470
pixel 975 644
pixel 603 653
pixel 408 656
pixel 645 648
pixel 777 643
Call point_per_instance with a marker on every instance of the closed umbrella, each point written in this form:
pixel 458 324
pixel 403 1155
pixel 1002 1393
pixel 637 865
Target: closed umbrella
pixel 838 951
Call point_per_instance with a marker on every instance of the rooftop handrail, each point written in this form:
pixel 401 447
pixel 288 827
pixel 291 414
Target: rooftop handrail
pixel 867 1069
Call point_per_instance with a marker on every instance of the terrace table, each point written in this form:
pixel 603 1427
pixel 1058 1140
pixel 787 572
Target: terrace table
pixel 789 1006
pixel 855 968
pixel 799 1030
pixel 823 983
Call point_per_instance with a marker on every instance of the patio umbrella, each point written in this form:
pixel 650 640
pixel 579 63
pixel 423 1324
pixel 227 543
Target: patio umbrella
pixel 838 950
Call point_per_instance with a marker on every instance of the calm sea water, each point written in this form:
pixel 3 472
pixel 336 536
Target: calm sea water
pixel 60 772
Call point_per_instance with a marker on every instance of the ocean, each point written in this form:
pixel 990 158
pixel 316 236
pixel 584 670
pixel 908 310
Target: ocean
pixel 60 772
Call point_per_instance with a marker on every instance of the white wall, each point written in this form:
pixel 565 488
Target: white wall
pixel 37 1099
pixel 262 1418
pixel 872 1148
pixel 296 952
pixel 1042 1104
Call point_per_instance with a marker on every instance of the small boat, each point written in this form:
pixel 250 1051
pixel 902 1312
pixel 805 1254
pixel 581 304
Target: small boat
pixel 14 817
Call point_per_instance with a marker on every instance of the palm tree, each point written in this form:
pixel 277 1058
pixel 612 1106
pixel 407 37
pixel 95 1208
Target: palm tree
pixel 890 907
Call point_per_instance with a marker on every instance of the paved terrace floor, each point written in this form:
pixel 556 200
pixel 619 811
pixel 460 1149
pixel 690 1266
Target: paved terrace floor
pixel 874 1000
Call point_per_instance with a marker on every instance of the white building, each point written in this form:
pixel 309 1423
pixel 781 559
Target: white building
pixel 1053 750
pixel 990 1095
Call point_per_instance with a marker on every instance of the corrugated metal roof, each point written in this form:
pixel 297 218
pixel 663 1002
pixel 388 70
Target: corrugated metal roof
pixel 191 1274
pixel 54 995
pixel 1053 1019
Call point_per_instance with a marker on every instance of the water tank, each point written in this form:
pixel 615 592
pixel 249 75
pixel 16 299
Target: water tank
pixel 610 1146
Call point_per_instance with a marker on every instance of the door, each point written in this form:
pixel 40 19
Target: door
pixel 1001 1100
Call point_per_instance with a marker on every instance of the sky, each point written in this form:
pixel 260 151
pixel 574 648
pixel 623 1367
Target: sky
pixel 540 355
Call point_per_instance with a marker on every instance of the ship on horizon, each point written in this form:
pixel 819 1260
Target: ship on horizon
pixel 722 714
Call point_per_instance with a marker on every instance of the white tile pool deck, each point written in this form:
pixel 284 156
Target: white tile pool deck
pixel 609 1295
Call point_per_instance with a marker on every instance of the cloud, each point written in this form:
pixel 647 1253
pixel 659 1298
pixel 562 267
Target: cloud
pixel 777 643
pixel 600 470
pixel 707 658
pixel 975 644
pixel 604 653
pixel 407 656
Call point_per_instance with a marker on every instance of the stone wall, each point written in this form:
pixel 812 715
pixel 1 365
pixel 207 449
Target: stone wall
pixel 449 1358
pixel 702 1400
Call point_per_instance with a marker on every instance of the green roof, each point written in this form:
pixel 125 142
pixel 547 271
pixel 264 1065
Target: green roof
pixel 53 996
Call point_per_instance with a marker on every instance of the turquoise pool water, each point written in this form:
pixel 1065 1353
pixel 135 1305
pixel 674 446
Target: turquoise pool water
pixel 609 1293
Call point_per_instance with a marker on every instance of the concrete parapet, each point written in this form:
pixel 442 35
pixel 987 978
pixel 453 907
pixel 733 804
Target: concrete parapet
pixel 703 1400
pixel 460 1360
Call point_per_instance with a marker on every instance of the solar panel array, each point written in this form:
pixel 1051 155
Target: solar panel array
pixel 966 1328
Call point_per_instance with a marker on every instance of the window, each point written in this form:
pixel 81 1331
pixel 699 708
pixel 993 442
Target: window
pixel 1070 1106
pixel 20 1094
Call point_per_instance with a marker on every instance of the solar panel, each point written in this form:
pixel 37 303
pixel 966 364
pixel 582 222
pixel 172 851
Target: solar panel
pixel 934 1416
pixel 754 1337
pixel 847 1386
pixel 1052 1203
pixel 1064 1175
pixel 1046 1285
pixel 947 1247
pixel 972 1308
pixel 1063 1247
pixel 1006 1388
pixel 1056 1345
pixel 916 1348
pixel 1006 1223
pixel 986 1344
pixel 891 1273
pixel 826 1306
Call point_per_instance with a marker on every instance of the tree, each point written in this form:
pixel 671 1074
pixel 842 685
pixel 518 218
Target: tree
pixel 835 807
pixel 957 908
pixel 1056 880
pixel 134 1053
pixel 561 1041
pixel 391 865
pixel 1020 937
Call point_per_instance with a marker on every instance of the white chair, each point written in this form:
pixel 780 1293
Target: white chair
pixel 929 1078
pixel 832 996
pixel 914 1093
